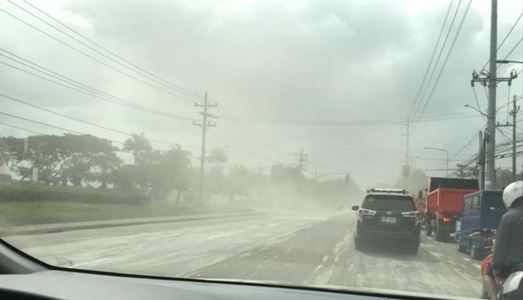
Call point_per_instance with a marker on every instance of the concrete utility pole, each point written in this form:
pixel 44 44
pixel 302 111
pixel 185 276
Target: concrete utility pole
pixel 407 156
pixel 302 159
pixel 513 113
pixel 492 80
pixel 481 161
pixel 205 124
pixel 491 111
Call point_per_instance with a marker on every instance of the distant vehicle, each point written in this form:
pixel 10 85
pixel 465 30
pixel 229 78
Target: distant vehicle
pixel 388 214
pixel 478 221
pixel 443 204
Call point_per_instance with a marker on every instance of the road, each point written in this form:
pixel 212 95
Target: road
pixel 312 248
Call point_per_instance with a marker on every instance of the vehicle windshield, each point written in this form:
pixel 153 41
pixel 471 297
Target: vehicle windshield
pixel 229 139
pixel 396 203
pixel 496 204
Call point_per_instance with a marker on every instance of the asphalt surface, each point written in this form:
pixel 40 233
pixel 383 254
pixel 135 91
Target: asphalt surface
pixel 307 248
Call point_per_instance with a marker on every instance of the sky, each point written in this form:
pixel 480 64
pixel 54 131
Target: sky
pixel 338 79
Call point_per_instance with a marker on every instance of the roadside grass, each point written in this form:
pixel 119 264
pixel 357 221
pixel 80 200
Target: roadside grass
pixel 48 212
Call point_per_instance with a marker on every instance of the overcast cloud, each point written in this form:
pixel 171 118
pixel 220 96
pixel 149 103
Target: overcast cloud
pixel 265 61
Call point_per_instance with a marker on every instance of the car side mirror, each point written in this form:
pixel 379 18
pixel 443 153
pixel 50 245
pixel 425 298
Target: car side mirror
pixel 355 207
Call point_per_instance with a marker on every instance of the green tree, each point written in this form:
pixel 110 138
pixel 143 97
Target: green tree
pixel 139 146
pixel 167 171
pixel 238 182
pixel 85 151
pixel 106 165
pixel 217 156
pixel 282 174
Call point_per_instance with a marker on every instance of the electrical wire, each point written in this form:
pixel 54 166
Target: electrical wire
pixel 20 128
pixel 515 46
pixel 84 89
pixel 149 75
pixel 444 63
pixel 92 57
pixel 437 61
pixel 80 120
pixel 431 59
pixel 477 103
pixel 502 42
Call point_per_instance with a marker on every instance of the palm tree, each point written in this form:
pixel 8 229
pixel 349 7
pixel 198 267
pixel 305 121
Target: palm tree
pixel 139 146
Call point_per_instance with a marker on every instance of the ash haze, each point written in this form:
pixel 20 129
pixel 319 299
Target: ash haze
pixel 336 78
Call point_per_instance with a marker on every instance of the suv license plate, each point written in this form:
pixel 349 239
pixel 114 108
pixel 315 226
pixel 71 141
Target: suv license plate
pixel 388 220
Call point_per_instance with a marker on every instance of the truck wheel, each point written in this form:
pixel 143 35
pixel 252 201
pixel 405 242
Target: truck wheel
pixel 439 232
pixel 461 248
pixel 476 252
pixel 428 228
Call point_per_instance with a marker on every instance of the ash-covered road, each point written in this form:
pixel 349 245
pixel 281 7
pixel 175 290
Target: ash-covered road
pixel 308 248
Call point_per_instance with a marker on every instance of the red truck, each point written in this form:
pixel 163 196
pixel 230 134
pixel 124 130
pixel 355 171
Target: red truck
pixel 444 199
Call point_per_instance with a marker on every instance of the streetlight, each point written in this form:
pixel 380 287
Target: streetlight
pixel 504 61
pixel 446 152
pixel 484 114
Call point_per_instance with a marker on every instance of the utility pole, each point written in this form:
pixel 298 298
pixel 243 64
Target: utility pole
pixel 205 124
pixel 481 161
pixel 491 111
pixel 408 140
pixel 406 167
pixel 492 80
pixel 302 159
pixel 513 113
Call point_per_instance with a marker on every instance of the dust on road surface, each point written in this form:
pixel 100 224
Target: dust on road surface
pixel 311 249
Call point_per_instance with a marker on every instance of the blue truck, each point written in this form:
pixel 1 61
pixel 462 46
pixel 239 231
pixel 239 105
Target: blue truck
pixel 478 221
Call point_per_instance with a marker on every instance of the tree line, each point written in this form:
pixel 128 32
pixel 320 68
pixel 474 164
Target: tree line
pixel 89 161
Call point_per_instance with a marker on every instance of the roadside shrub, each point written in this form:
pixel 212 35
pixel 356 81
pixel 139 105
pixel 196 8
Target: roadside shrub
pixel 33 192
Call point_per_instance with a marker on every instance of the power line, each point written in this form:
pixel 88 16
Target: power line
pixel 92 57
pixel 431 59
pixel 502 42
pixel 250 135
pixel 112 36
pixel 477 102
pixel 230 136
pixel 82 88
pixel 20 128
pixel 166 83
pixel 515 46
pixel 359 122
pixel 437 60
pixel 41 123
pixel 445 62
pixel 81 121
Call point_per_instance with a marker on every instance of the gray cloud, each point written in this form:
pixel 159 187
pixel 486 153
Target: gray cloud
pixel 315 60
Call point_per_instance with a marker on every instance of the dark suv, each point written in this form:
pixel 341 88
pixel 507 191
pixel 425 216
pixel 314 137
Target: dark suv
pixel 388 215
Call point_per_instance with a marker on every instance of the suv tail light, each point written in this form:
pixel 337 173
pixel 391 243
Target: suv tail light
pixel 366 212
pixel 411 214
pixel 446 219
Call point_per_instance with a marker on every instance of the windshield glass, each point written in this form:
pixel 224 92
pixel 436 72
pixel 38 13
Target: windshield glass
pixel 396 203
pixel 496 204
pixel 230 139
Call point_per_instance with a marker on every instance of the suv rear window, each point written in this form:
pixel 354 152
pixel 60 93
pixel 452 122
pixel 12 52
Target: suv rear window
pixel 386 202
